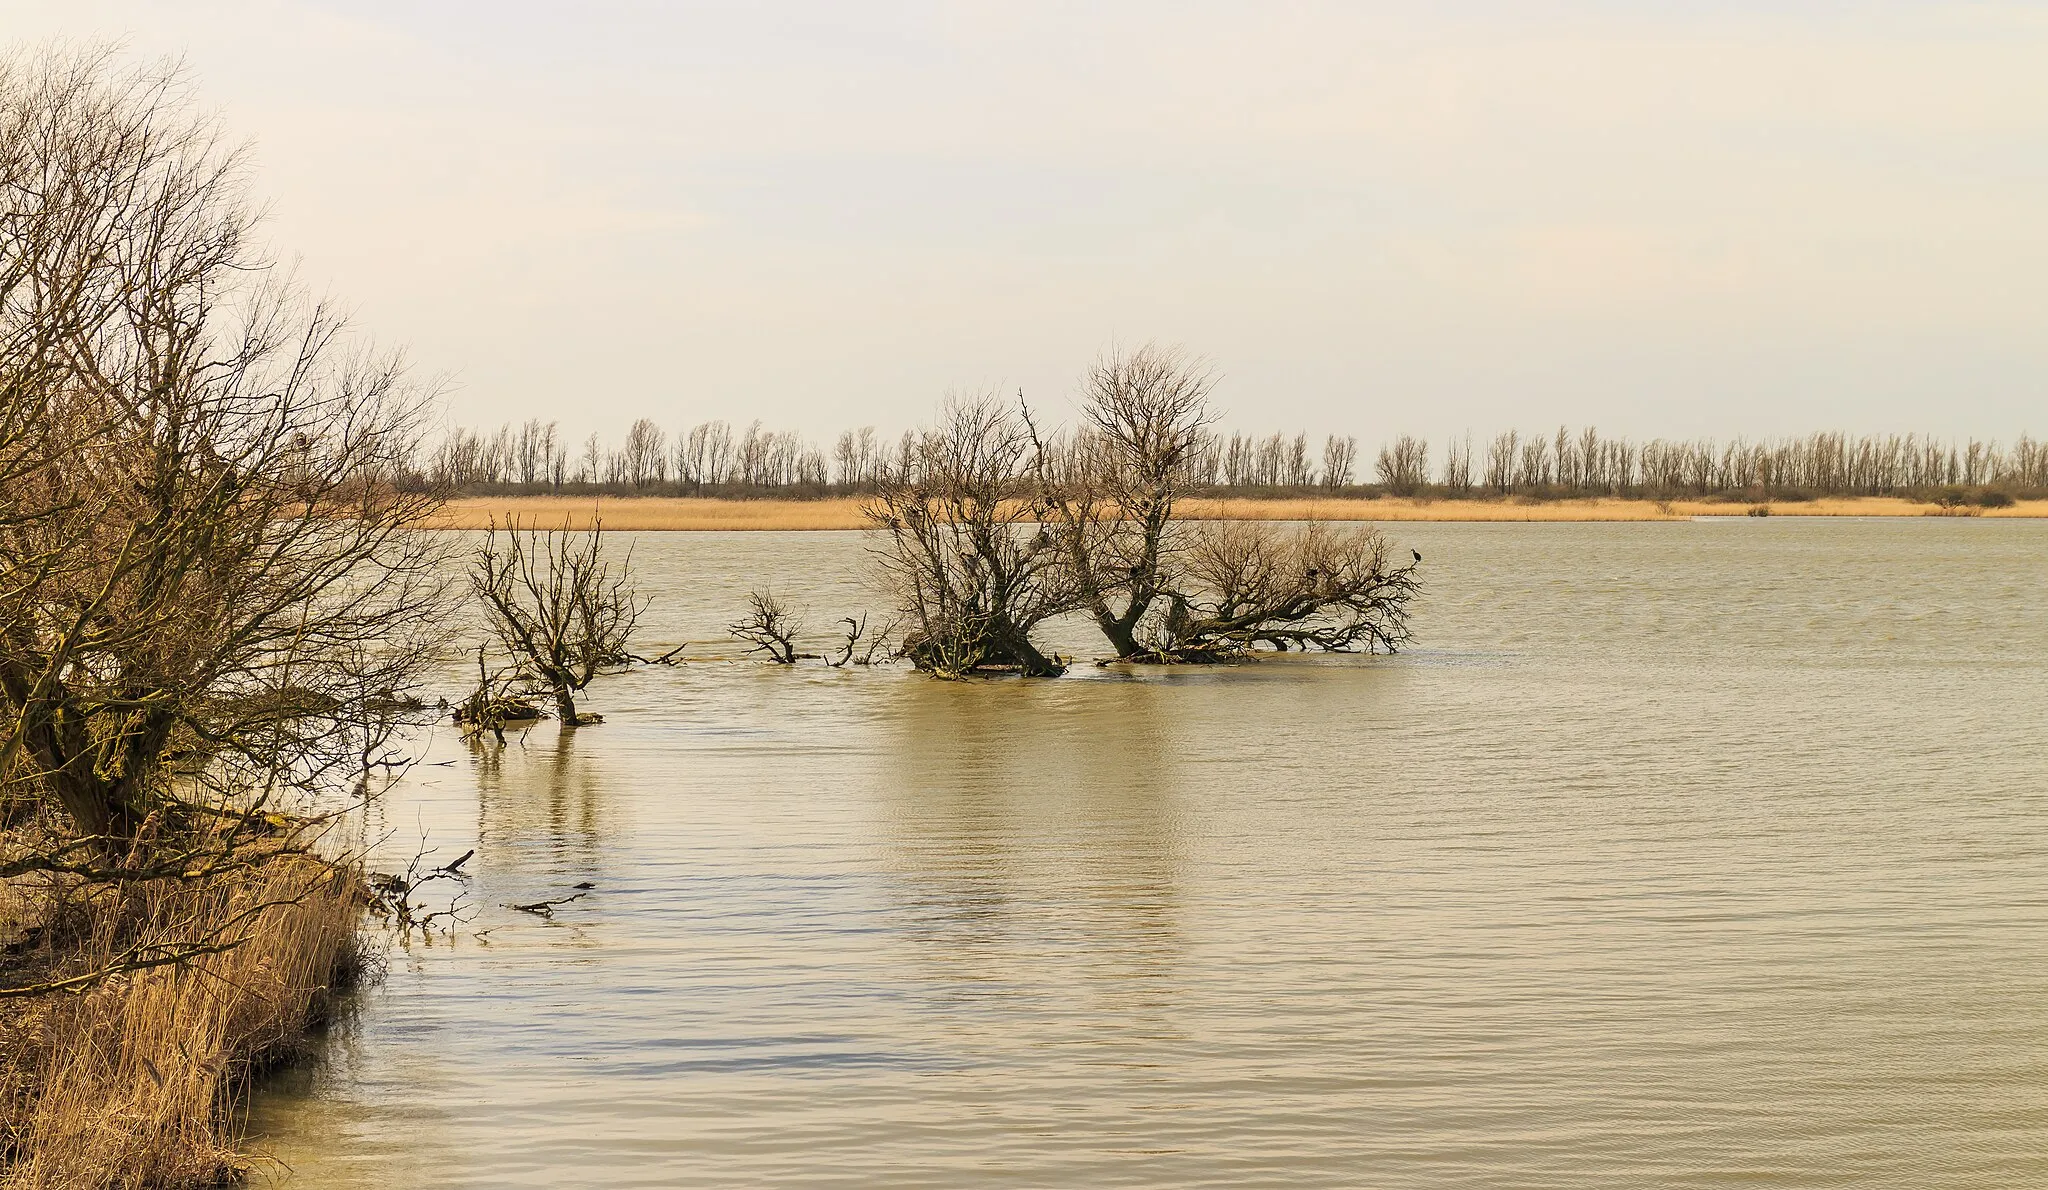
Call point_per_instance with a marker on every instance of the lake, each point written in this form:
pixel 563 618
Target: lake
pixel 1696 854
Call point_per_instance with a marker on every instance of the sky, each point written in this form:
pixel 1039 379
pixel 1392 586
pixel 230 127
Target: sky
pixel 1667 217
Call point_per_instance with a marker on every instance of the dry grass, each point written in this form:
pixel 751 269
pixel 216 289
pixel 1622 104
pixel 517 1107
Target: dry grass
pixel 134 1084
pixel 688 513
pixel 652 512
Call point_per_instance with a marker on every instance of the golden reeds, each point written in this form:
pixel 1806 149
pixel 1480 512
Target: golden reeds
pixel 700 513
pixel 134 1084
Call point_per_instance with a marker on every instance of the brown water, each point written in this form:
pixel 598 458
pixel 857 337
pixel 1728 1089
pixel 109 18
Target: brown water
pixel 1675 855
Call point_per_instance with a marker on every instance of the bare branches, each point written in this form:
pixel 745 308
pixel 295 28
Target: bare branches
pixel 772 629
pixel 392 895
pixel 496 701
pixel 959 547
pixel 857 631
pixel 1112 513
pixel 208 582
pixel 1161 590
pixel 1318 587
pixel 214 609
pixel 558 606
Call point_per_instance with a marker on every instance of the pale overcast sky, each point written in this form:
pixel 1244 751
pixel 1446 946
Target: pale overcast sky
pixel 1661 217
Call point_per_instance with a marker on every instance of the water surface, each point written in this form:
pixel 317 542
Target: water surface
pixel 1674 855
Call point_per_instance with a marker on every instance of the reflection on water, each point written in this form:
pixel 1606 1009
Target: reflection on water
pixel 1678 855
pixel 1006 798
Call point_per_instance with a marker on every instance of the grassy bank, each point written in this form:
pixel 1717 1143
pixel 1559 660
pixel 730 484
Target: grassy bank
pixel 138 1082
pixel 695 513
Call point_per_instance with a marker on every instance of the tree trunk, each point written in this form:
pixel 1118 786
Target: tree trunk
pixel 1030 662
pixel 108 807
pixel 1122 636
pixel 565 706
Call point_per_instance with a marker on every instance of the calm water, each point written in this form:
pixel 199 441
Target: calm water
pixel 1675 855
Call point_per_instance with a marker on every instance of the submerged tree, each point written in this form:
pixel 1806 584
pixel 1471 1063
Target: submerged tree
pixel 1243 585
pixel 972 573
pixel 558 606
pixel 1112 508
pixel 1161 589
pixel 771 628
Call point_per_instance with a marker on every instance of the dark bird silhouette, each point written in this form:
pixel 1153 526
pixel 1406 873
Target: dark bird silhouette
pixel 1417 553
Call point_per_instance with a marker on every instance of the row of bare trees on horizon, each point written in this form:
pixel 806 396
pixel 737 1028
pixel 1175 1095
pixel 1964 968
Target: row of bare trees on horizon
pixel 718 458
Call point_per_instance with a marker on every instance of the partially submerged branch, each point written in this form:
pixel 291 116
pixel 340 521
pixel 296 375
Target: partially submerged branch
pixel 771 628
pixel 1246 586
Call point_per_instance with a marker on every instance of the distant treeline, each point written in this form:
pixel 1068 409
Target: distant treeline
pixel 716 458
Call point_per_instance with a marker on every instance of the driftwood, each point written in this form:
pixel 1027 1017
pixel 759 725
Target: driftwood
pixel 546 908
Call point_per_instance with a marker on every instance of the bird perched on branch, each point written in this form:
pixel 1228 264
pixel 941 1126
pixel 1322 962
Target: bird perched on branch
pixel 1417 553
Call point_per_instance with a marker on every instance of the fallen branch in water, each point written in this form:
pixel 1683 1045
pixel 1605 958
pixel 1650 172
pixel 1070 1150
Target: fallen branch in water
pixel 392 895
pixel 546 908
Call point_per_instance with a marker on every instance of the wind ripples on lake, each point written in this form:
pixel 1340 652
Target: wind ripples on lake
pixel 1674 855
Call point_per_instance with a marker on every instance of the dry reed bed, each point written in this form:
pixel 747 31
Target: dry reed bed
pixel 136 1083
pixel 695 513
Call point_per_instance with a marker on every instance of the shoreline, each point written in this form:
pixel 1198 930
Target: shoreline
pixel 713 514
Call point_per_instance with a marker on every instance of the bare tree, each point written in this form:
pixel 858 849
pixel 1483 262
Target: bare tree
pixel 557 605
pixel 1144 415
pixel 1458 466
pixel 772 628
pixel 1340 461
pixel 1247 585
pixel 1500 461
pixel 1161 590
pixel 1403 465
pixel 209 581
pixel 958 547
pixel 646 454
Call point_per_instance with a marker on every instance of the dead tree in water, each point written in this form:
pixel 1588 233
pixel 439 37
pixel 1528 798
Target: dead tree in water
pixel 496 701
pixel 850 644
pixel 557 605
pixel 1162 590
pixel 1111 509
pixel 972 574
pixel 772 629
pixel 1244 585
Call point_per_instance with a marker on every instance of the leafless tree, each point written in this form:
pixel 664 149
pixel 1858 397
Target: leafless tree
pixel 1162 590
pixel 1340 461
pixel 960 547
pixel 1403 465
pixel 558 605
pixel 646 454
pixel 208 580
pixel 1500 461
pixel 1458 466
pixel 1144 414
pixel 1247 585
pixel 771 628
